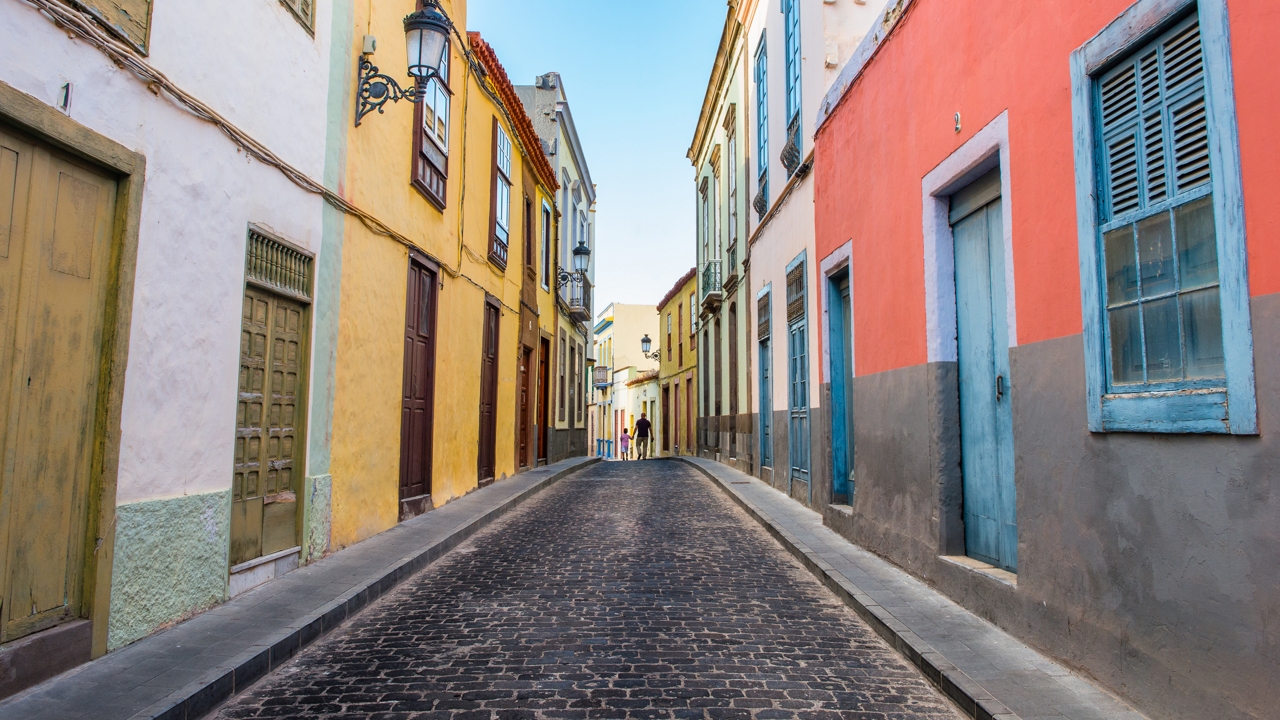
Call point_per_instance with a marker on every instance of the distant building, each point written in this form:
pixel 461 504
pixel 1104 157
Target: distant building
pixel 678 366
pixel 619 331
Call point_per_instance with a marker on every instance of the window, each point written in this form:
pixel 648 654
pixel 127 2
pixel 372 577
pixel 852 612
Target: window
pixel 547 246
pixel 1166 322
pixel 679 333
pixel 500 215
pixel 668 337
pixel 431 139
pixel 704 194
pixel 693 323
pixel 731 170
pixel 793 151
pixel 582 374
pixel 130 20
pixel 529 255
pixel 761 202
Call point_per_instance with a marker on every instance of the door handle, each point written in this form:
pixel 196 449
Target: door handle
pixel 999 387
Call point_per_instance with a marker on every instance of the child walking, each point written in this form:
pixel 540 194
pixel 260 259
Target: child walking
pixel 624 444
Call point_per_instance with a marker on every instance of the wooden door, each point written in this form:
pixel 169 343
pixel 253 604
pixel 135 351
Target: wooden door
pixel 417 408
pixel 526 359
pixel 488 394
pixel 675 415
pixel 840 342
pixel 798 384
pixel 544 398
pixel 56 222
pixel 766 405
pixel 986 415
pixel 666 419
pixel 269 415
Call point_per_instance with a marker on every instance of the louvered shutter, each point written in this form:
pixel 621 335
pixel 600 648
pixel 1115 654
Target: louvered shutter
pixel 796 293
pixel 1155 133
pixel 304 10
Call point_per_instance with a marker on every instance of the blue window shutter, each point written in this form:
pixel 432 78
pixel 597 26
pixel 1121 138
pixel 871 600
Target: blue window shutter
pixel 1156 149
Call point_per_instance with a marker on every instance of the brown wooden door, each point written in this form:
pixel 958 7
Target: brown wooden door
pixel 488 394
pixel 56 222
pixel 418 401
pixel 544 398
pixel 666 419
pixel 269 414
pixel 526 419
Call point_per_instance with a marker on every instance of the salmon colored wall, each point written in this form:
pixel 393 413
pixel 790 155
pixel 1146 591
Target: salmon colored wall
pixel 980 58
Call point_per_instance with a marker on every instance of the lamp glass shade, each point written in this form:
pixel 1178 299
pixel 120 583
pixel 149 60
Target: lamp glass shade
pixel 426 33
pixel 645 344
pixel 581 256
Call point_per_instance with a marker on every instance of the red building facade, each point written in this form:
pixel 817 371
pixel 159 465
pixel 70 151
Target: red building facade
pixel 1054 374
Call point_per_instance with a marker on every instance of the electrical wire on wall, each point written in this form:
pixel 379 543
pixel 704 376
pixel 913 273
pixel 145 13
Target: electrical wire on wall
pixel 85 27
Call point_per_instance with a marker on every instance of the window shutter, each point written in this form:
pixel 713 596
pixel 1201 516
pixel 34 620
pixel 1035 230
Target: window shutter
pixel 1154 123
pixel 303 10
pixel 762 317
pixel 795 293
pixel 129 20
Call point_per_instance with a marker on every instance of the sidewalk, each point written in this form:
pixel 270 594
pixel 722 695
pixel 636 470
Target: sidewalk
pixel 986 671
pixel 186 671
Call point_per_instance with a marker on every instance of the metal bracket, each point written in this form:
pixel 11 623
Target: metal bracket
pixel 374 89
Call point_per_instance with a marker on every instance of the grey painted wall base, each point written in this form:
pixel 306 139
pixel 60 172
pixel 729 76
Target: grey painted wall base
pixel 566 443
pixel 1150 562
pixel 170 563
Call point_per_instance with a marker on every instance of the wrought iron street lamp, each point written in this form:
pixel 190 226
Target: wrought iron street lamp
pixel 645 344
pixel 581 260
pixel 426 34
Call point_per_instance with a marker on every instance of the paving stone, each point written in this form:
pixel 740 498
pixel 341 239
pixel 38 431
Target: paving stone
pixel 629 590
pixel 985 661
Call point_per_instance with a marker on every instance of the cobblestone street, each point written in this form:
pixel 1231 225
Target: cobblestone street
pixel 628 590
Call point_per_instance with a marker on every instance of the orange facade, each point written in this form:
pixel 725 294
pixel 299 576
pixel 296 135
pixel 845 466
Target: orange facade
pixel 981 59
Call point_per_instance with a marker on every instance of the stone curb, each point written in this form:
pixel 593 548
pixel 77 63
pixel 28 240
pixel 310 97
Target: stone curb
pixel 218 685
pixel 963 690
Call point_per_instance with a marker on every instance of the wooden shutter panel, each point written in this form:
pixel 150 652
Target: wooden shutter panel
pixel 795 293
pixel 762 317
pixel 303 10
pixel 127 19
pixel 1155 123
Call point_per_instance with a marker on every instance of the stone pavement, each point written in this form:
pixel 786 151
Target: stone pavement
pixel 629 590
pixel 983 669
pixel 186 671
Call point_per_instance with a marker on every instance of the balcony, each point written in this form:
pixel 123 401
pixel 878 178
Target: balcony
pixel 577 295
pixel 602 377
pixel 712 288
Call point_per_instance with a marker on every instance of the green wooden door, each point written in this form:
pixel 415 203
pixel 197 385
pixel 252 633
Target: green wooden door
pixel 56 219
pixel 268 446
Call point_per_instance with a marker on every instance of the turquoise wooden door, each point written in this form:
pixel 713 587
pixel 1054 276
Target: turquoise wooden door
pixel 798 383
pixel 986 416
pixel 840 321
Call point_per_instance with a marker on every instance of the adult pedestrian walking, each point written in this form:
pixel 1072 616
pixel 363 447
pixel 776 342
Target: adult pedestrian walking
pixel 624 443
pixel 644 433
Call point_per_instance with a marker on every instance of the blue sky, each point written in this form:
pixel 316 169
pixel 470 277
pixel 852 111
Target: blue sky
pixel 635 74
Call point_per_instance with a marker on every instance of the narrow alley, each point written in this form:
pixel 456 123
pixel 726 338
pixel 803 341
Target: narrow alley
pixel 627 590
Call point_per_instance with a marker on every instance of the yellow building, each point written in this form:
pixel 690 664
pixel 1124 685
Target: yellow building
pixel 428 369
pixel 678 368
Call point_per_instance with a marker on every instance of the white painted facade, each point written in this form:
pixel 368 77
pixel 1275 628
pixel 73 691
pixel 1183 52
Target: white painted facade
pixel 252 62
pixel 828 38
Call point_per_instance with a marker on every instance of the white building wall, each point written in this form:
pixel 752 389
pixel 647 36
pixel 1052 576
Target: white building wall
pixel 255 64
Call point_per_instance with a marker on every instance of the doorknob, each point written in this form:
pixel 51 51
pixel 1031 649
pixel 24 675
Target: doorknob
pixel 999 387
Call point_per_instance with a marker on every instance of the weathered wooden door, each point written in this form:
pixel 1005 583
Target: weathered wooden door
pixel 986 415
pixel 840 321
pixel 417 409
pixel 544 398
pixel 269 418
pixel 666 419
pixel 526 372
pixel 488 394
pixel 56 218
pixel 798 379
pixel 766 405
